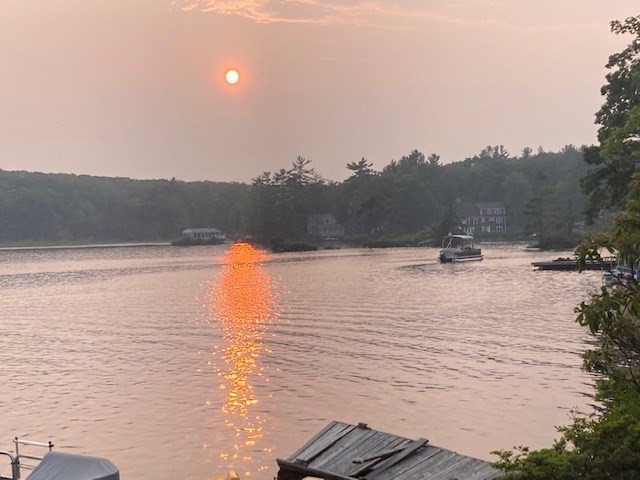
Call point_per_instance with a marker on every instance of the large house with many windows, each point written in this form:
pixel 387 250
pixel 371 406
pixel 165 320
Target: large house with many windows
pixel 479 217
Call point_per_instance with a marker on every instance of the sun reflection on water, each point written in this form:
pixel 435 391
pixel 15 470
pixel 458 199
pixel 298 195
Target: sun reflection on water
pixel 242 305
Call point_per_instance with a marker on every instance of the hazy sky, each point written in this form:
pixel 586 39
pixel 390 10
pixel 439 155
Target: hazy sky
pixel 135 88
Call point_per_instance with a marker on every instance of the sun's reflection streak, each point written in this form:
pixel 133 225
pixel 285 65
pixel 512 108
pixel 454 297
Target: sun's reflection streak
pixel 243 305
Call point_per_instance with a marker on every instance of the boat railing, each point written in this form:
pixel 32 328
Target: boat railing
pixel 15 469
pixel 16 458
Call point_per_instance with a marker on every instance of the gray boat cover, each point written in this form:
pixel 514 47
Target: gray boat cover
pixel 67 466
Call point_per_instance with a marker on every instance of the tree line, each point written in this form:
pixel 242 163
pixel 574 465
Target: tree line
pixel 411 194
pixel 41 207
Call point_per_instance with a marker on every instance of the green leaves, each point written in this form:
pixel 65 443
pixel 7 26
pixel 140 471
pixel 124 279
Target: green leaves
pixel 619 118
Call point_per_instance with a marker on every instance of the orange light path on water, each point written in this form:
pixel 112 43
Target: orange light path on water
pixel 242 305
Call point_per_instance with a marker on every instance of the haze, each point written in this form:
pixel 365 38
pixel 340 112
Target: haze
pixel 136 88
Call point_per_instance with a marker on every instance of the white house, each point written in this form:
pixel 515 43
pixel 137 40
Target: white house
pixel 203 233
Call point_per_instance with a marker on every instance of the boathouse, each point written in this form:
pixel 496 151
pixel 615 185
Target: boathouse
pixel 203 234
pixel 356 452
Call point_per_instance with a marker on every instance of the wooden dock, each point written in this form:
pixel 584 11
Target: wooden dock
pixel 356 452
pixel 606 264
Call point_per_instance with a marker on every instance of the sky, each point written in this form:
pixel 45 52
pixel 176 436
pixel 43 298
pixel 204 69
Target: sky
pixel 135 88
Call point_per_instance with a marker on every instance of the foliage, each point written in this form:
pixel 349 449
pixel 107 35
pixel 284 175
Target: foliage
pixel 450 223
pixel 559 241
pixel 409 195
pixel 280 245
pixel 78 208
pixel 417 192
pixel 619 119
pixel 390 241
pixel 281 202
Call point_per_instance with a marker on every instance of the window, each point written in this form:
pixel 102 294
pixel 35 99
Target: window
pixel 475 221
pixel 499 228
pixel 488 229
pixel 499 220
pixel 489 211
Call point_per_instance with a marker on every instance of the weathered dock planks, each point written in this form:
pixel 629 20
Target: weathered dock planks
pixel 349 452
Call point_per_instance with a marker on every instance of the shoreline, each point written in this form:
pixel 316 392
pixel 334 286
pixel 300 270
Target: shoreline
pixel 96 245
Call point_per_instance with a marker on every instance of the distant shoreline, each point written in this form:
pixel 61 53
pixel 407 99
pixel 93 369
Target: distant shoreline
pixel 91 245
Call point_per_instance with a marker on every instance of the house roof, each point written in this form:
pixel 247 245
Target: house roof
pixel 490 205
pixel 319 217
pixel 466 210
pixel 349 452
pixel 201 230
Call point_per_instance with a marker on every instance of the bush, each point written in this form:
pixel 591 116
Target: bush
pixel 559 241
pixel 389 241
pixel 280 245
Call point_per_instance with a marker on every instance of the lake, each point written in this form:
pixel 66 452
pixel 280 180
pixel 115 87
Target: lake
pixel 185 363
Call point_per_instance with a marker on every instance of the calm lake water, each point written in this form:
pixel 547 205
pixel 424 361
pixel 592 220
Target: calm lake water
pixel 184 363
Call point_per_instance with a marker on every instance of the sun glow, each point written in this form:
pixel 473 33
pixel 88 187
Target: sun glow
pixel 232 77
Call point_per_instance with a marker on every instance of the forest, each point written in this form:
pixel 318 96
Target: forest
pixel 416 193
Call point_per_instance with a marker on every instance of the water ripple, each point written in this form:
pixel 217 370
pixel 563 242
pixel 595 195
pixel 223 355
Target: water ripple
pixel 116 352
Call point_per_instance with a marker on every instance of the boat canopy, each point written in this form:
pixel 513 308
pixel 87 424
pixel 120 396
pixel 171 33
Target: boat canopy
pixel 66 466
pixel 457 241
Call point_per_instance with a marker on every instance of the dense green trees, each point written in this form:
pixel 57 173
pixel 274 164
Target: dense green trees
pixel 619 119
pixel 57 208
pixel 407 195
pixel 417 192
pixel 280 203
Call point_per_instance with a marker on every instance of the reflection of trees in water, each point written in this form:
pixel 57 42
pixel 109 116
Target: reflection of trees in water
pixel 243 305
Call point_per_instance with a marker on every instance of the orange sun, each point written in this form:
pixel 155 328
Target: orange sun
pixel 232 77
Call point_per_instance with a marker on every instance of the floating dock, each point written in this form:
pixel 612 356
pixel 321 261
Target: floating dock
pixel 356 452
pixel 606 264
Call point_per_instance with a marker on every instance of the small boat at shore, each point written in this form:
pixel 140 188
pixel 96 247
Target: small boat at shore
pixel 621 275
pixel 55 465
pixel 459 248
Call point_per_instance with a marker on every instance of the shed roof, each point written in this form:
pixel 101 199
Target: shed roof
pixel 345 452
pixel 201 230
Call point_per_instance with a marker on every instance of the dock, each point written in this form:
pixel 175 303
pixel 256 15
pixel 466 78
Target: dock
pixel 605 264
pixel 356 452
